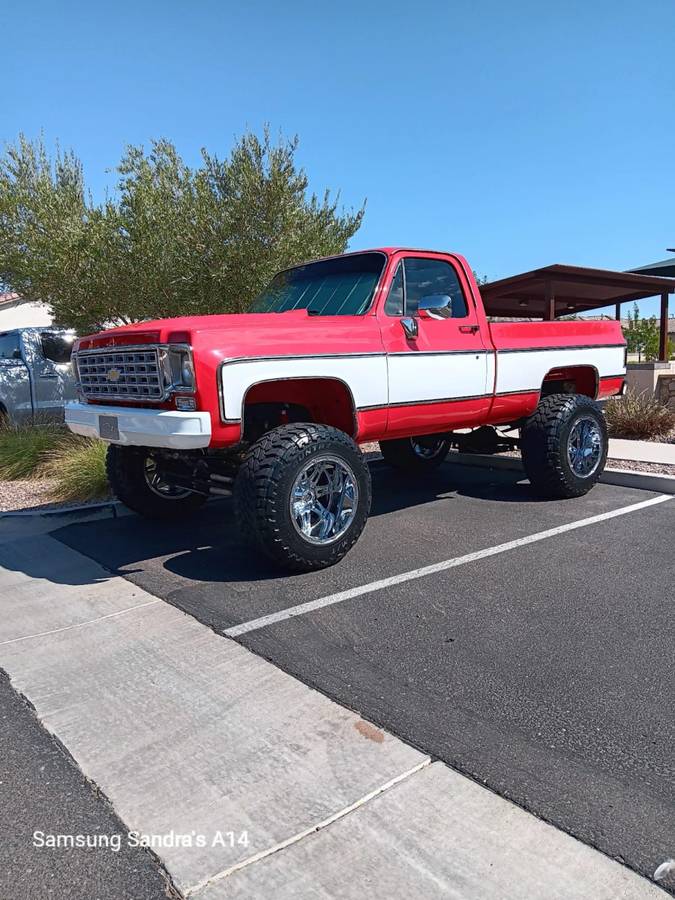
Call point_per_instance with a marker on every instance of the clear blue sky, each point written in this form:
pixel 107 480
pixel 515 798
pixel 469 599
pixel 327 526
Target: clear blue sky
pixel 518 133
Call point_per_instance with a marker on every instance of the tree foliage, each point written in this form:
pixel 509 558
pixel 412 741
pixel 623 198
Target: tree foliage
pixel 642 335
pixel 172 240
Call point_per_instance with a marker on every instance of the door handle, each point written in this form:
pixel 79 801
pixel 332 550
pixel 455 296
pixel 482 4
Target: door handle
pixel 468 329
pixel 48 375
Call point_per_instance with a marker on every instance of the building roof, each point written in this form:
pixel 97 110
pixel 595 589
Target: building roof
pixel 574 289
pixel 665 267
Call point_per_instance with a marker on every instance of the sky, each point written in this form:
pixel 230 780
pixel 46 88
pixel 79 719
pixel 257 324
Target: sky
pixel 518 133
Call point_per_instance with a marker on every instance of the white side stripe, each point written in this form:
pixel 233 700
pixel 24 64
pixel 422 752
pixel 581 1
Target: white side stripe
pixel 351 593
pixel 525 370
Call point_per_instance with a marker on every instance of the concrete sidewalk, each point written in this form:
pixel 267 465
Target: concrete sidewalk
pixel 642 451
pixel 44 794
pixel 294 796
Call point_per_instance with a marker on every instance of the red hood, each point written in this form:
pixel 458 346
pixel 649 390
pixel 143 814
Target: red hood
pixel 182 329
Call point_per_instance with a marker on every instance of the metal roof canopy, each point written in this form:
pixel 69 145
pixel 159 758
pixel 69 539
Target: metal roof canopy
pixel 560 290
pixel 664 267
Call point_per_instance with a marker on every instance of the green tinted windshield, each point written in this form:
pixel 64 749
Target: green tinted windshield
pixel 342 286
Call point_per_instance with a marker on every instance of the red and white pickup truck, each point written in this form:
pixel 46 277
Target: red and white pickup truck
pixel 386 345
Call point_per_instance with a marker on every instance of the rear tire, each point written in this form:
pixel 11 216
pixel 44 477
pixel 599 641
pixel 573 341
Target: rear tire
pixel 416 454
pixel 131 477
pixel 302 495
pixel 564 446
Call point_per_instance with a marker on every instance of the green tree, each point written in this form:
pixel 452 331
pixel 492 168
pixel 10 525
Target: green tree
pixel 642 335
pixel 171 240
pixel 650 338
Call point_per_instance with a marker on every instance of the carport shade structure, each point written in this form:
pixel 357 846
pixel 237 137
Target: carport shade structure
pixel 560 290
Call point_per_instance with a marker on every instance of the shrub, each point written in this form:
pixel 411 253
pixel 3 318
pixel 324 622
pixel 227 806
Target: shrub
pixel 639 416
pixel 78 465
pixel 23 448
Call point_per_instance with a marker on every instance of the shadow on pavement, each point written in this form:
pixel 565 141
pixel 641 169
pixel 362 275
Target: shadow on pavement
pixel 207 547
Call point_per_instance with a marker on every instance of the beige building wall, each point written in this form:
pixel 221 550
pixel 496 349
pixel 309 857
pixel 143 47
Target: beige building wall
pixel 20 314
pixel 645 376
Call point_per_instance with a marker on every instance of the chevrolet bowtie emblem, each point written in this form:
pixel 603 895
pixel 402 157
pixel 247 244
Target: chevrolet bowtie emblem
pixel 113 375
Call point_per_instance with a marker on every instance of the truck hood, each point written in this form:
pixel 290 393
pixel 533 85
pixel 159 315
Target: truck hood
pixel 249 334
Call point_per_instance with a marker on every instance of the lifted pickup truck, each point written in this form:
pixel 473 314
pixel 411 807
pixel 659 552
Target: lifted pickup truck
pixel 386 345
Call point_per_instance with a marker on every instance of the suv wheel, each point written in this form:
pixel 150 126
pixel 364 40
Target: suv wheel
pixel 564 445
pixel 302 495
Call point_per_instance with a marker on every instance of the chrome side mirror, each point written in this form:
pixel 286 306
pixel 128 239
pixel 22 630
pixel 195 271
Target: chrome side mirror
pixel 410 328
pixel 435 306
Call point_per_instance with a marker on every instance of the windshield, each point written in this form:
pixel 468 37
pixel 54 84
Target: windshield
pixel 342 286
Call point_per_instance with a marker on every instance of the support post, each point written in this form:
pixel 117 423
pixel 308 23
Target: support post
pixel 663 330
pixel 549 303
pixel 617 312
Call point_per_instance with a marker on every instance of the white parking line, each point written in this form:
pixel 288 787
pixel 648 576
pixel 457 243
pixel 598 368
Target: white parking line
pixel 312 605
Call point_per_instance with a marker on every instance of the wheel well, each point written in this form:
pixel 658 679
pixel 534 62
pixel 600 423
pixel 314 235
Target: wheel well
pixel 571 380
pixel 327 401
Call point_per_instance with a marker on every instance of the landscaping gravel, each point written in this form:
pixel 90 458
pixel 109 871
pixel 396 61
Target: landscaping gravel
pixel 638 466
pixel 26 495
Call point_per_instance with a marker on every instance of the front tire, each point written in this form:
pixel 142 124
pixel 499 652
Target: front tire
pixel 564 446
pixel 415 454
pixel 134 479
pixel 302 495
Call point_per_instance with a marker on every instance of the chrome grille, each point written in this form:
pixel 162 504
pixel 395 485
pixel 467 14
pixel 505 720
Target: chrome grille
pixel 120 374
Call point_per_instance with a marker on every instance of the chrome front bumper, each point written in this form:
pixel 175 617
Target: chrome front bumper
pixel 140 427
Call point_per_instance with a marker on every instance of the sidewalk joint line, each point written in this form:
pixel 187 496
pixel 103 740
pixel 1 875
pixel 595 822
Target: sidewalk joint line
pixel 244 863
pixel 120 612
pixel 433 569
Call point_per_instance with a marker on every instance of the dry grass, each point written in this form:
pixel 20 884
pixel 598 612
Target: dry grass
pixel 24 448
pixel 639 416
pixel 78 467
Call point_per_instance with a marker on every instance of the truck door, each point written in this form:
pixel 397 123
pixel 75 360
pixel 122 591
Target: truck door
pixel 52 371
pixel 15 396
pixel 438 364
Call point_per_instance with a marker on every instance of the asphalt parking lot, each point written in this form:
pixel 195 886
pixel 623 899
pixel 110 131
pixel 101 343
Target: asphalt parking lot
pixel 544 671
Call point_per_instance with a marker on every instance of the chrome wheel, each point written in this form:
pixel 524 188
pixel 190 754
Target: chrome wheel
pixel 324 499
pixel 159 485
pixel 427 448
pixel 584 447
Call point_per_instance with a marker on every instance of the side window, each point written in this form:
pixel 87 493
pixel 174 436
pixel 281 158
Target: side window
pixel 57 347
pixel 394 303
pixel 432 276
pixel 9 346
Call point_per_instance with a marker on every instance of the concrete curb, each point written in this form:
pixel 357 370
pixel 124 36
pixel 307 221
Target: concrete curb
pixel 20 523
pixel 62 511
pixel 662 484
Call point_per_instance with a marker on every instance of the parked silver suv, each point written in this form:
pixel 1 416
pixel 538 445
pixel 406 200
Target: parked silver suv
pixel 36 375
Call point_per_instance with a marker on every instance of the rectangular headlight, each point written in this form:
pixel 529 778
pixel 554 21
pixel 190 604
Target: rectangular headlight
pixel 177 368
